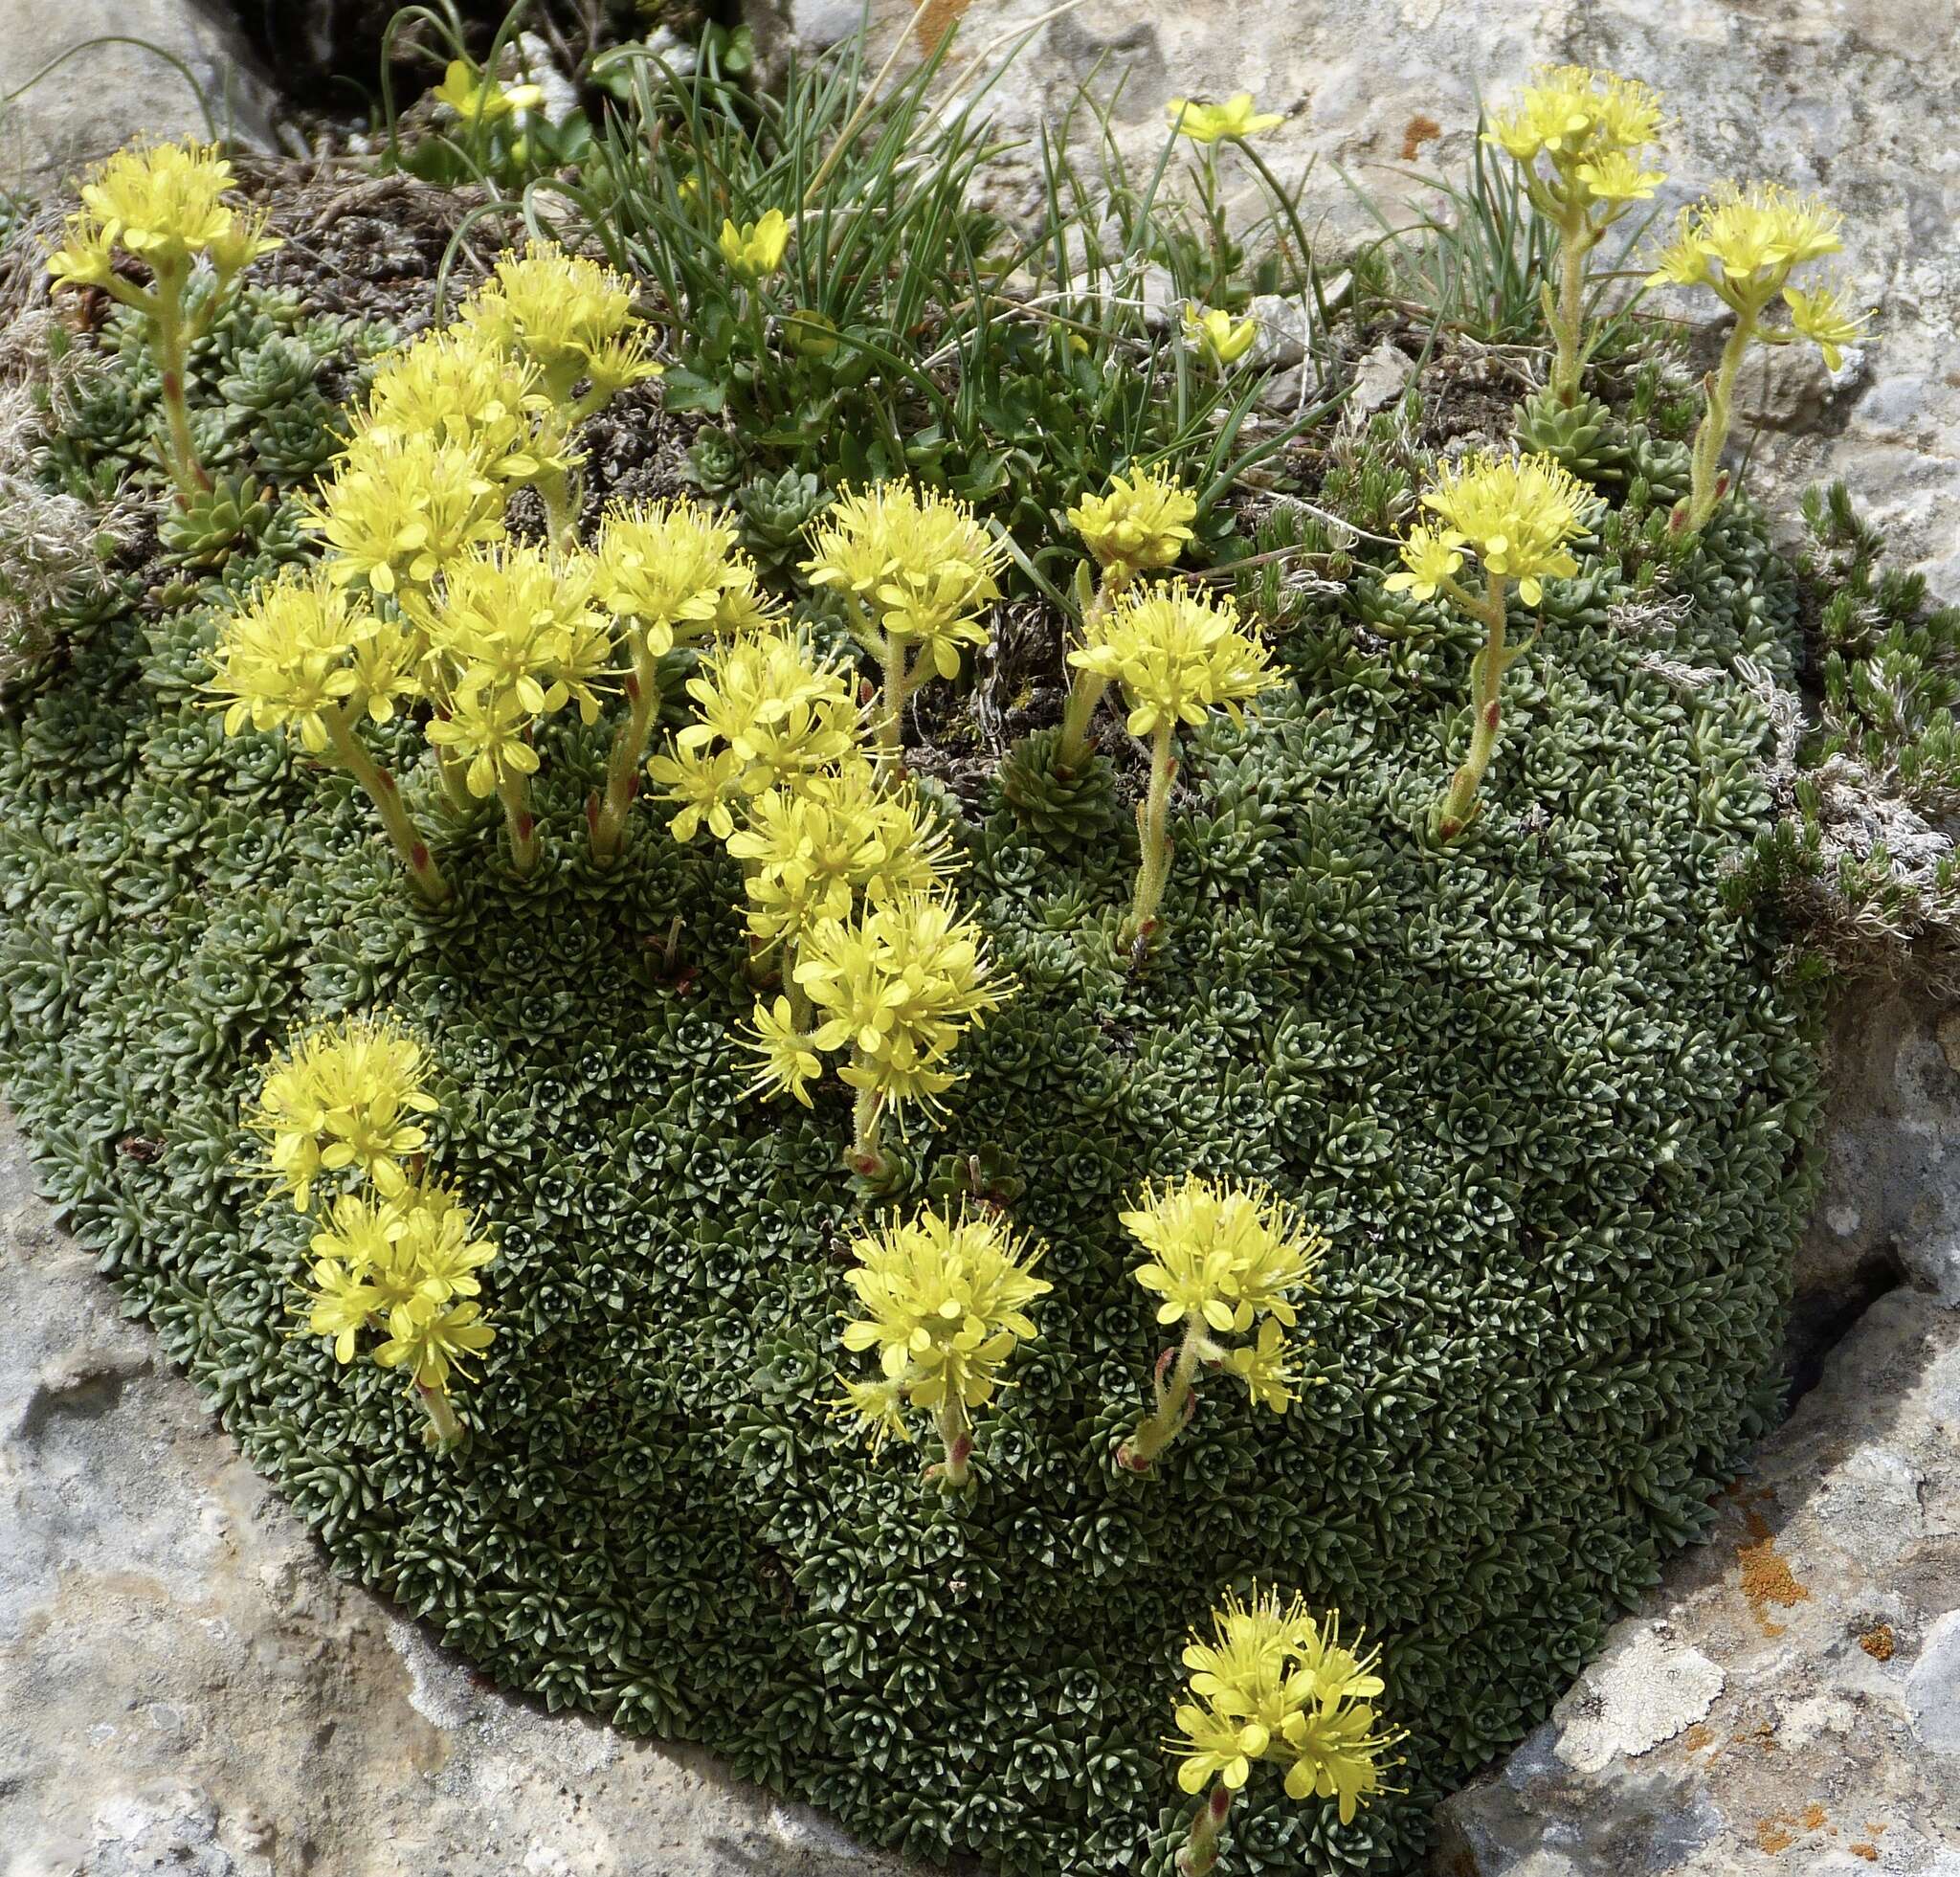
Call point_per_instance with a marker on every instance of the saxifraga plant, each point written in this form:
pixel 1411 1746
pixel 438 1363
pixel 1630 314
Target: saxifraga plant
pixel 166 210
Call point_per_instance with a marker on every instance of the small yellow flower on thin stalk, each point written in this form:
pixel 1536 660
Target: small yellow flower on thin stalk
pixel 1176 657
pixel 1217 338
pixel 1579 138
pixel 1275 1685
pixel 344 1098
pixel 1210 123
pixel 671 575
pixel 166 208
pixel 1223 1259
pixel 309 658
pixel 1519 515
pixel 915 574
pixel 944 1305
pixel 475 96
pixel 893 988
pixel 1141 523
pixel 1742 244
pixel 406 1266
pixel 755 249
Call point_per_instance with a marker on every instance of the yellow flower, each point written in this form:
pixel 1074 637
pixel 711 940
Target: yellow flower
pixel 790 1064
pixel 1744 242
pixel 924 565
pixel 945 1304
pixel 1142 521
pixel 490 730
pixel 342 1097
pixel 879 1406
pixel 1516 514
pixel 475 97
pixel 286 659
pixel 1222 1255
pixel 376 1256
pixel 1275 1685
pixel 896 986
pixel 1220 338
pixel 755 250
pixel 1265 1367
pixel 671 567
pixel 1210 123
pixel 1429 561
pixel 1615 177
pixel 1176 655
pixel 400 508
pixel 571 317
pixel 456 387
pixel 166 206
pixel 1573 114
pixel 430 1341
pixel 1820 316
pixel 809 853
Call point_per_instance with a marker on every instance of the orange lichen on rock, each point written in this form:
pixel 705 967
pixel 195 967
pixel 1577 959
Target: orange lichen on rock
pixel 1766 1577
pixel 1814 1817
pixel 934 20
pixel 1879 1643
pixel 1773 1837
pixel 1420 130
pixel 1697 1737
pixel 1860 1849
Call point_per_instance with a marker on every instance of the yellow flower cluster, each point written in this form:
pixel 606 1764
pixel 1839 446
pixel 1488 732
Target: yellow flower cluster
pixel 407 1265
pixel 345 1098
pixel 675 570
pixel 1275 1685
pixel 510 636
pixel 1581 118
pixel 1176 655
pixel 1579 138
pixel 571 317
pixel 343 1103
pixel 1141 522
pixel 1742 244
pixel 770 716
pixel 1224 1257
pixel 1517 515
pixel 165 205
pixel 893 988
pixel 303 655
pixel 811 851
pixel 944 1305
pixel 915 573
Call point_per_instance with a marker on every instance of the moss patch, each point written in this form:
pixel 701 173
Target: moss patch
pixel 1542 1093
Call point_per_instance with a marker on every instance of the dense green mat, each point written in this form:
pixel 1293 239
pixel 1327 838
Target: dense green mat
pixel 1542 1093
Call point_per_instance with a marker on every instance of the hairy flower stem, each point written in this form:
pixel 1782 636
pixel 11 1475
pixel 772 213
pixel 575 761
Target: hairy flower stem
pixel 1458 804
pixel 456 790
pixel 1200 1852
pixel 1153 831
pixel 514 791
pixel 864 1157
pixel 1708 483
pixel 629 747
pixel 956 1432
pixel 891 704
pixel 386 797
pixel 1156 1431
pixel 561 508
pixel 173 362
pixel 1085 688
pixel 1569 318
pixel 443 1424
